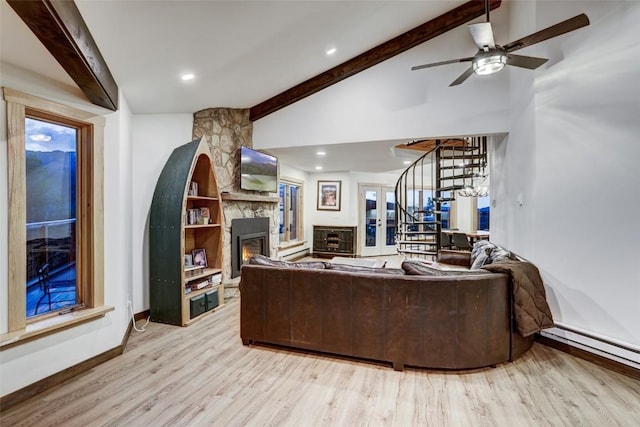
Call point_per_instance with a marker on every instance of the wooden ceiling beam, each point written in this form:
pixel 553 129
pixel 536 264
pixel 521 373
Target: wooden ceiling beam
pixel 61 29
pixel 420 34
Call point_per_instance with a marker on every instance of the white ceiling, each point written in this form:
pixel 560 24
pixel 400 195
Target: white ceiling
pixel 241 52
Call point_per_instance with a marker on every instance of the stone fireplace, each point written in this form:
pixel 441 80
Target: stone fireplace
pixel 227 130
pixel 249 236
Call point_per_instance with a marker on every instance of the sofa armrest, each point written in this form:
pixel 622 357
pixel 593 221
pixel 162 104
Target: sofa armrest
pixel 461 258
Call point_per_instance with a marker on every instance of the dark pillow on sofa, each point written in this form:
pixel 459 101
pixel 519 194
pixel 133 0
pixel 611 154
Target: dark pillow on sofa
pixel 362 269
pixel 459 258
pixel 417 268
pixel 421 268
pixel 264 260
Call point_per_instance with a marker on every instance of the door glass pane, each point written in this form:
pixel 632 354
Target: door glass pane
pixel 51 216
pixel 293 213
pixel 282 206
pixel 371 217
pixel 390 218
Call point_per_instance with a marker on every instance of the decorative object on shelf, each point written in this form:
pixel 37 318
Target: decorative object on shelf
pixel 329 193
pixel 199 257
pixel 188 260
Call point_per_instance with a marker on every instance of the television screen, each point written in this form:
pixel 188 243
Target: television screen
pixel 258 171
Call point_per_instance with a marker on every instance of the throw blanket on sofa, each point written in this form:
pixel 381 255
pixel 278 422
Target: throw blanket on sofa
pixel 530 301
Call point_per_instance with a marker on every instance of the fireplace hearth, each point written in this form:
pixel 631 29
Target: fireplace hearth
pixel 249 237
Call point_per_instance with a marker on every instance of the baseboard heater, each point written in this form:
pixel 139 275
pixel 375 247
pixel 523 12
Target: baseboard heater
pixel 592 343
pixel 295 255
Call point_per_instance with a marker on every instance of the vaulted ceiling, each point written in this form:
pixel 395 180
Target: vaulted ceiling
pixel 240 52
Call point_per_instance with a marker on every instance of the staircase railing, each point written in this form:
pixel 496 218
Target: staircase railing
pixel 417 232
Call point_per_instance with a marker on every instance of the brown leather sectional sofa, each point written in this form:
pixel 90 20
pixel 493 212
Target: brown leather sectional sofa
pixel 453 322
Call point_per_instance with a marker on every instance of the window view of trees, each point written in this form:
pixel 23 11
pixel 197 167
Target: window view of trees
pixel 51 215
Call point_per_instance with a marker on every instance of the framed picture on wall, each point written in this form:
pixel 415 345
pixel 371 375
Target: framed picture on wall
pixel 329 193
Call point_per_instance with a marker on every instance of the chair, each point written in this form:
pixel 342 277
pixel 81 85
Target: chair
pixel 445 240
pixel 461 242
pixel 48 286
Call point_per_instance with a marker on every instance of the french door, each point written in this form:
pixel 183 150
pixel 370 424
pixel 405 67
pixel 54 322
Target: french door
pixel 377 220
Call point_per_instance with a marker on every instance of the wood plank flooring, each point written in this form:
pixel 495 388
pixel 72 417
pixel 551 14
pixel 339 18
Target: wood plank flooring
pixel 203 376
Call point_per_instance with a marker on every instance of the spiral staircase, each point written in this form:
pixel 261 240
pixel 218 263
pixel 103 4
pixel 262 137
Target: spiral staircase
pixel 426 188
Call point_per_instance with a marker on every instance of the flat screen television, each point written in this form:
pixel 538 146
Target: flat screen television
pixel 258 171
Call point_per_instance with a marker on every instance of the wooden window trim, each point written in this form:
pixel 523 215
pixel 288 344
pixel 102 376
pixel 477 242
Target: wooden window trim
pixel 19 106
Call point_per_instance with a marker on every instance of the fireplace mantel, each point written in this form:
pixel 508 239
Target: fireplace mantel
pixel 244 197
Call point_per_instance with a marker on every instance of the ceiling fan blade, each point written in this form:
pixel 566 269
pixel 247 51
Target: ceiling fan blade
pixel 464 76
pixel 482 34
pixel 555 30
pixel 435 64
pixel 530 62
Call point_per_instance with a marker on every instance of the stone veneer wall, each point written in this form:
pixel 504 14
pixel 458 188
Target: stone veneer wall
pixel 227 130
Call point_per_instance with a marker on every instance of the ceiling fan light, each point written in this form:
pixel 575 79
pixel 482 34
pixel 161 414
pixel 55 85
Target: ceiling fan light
pixel 489 64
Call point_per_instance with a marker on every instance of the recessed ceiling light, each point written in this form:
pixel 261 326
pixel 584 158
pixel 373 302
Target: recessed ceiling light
pixel 406 162
pixel 188 76
pixel 318 168
pixel 321 153
pixel 331 51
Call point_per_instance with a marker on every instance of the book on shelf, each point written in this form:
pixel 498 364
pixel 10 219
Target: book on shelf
pixel 197 216
pixel 193 188
pixel 196 286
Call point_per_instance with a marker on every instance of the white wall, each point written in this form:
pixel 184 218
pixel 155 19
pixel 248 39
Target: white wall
pixel 376 105
pixel 27 363
pixel 571 154
pixel 155 136
pixel 350 199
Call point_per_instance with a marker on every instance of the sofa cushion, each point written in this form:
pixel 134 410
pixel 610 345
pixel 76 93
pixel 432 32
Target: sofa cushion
pixel 421 268
pixel 450 257
pixel 363 269
pixel 264 260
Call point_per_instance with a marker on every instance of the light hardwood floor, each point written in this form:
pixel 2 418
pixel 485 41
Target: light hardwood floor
pixel 203 376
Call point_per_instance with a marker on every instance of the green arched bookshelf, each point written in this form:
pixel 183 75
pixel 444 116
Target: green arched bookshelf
pixel 181 293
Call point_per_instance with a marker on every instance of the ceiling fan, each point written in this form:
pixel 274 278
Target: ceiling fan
pixel 492 58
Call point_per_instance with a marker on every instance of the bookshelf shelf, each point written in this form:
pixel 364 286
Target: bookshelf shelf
pixel 192 294
pixel 207 272
pixel 201 225
pixel 202 198
pixel 186 192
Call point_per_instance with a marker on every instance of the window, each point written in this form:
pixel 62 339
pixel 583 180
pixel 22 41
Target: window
pixel 53 234
pixel 51 205
pixel 290 211
pixel 482 213
pixel 421 206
